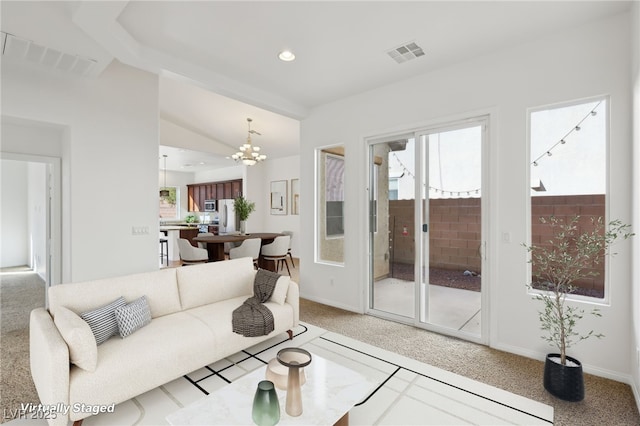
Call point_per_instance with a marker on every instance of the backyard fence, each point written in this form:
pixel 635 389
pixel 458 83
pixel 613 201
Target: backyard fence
pixel 454 233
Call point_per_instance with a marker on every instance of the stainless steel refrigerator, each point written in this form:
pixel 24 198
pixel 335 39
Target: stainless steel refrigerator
pixel 226 217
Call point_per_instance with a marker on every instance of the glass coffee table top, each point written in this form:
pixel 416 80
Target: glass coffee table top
pixel 330 391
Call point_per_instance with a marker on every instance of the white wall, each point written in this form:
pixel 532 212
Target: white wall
pixel 24 215
pixel 14 224
pixel 258 190
pixel 111 157
pixel 635 295
pixel 583 62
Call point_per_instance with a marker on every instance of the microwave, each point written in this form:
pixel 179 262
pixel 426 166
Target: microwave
pixel 210 206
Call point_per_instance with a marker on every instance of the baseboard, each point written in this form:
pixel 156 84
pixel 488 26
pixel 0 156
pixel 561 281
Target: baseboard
pixel 331 303
pixel 589 369
pixel 520 351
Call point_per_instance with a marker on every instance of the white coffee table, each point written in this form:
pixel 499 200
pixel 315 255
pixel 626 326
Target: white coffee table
pixel 330 392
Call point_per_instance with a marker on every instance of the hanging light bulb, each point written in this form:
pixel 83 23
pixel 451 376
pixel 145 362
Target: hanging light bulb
pixel 164 192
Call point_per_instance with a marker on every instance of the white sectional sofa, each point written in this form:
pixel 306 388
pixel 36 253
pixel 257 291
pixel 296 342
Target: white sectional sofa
pixel 191 310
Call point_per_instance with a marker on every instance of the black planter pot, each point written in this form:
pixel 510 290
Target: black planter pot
pixel 564 381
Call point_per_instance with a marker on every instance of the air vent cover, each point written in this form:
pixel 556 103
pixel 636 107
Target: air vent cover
pixel 27 50
pixel 405 52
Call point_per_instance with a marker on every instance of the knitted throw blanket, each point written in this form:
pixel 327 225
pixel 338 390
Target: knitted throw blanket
pixel 252 318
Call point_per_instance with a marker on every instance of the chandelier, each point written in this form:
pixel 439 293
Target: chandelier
pixel 249 154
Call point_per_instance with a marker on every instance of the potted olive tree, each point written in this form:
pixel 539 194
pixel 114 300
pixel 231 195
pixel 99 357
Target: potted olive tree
pixel 243 208
pixel 569 256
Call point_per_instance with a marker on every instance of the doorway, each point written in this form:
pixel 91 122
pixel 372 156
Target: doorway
pixel 31 215
pixel 426 217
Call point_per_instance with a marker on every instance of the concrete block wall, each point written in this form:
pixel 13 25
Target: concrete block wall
pixel 455 237
pixel 588 207
pixel 454 234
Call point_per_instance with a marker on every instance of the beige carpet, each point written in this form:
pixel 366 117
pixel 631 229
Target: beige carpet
pixel 606 402
pixel 20 292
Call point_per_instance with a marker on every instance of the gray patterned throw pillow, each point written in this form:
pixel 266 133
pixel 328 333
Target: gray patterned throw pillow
pixel 102 320
pixel 133 316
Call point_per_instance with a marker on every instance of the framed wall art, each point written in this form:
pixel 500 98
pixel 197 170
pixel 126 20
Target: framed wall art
pixel 279 197
pixel 295 196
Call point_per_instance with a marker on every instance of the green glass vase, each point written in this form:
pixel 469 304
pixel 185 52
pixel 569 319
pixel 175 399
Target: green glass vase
pixel 266 408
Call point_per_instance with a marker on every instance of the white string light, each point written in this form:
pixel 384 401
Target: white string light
pixel 563 140
pixel 468 192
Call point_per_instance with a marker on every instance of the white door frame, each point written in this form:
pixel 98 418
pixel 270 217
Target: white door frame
pixel 487 118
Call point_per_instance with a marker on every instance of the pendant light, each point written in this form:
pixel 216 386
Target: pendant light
pixel 164 192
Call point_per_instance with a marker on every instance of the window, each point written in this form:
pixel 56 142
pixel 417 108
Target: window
pixel 568 148
pixel 169 206
pixel 330 204
pixel 393 188
pixel 334 175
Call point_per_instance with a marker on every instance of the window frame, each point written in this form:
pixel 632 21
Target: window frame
pixel 605 300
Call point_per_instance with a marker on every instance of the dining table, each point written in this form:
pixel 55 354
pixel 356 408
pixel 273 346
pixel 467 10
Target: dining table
pixel 215 245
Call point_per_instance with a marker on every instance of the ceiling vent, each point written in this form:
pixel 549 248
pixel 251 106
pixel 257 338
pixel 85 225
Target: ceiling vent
pixel 406 52
pixel 18 48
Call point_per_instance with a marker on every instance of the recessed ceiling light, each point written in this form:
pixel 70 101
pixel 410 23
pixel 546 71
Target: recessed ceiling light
pixel 286 55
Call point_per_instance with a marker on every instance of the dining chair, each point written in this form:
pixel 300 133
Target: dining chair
pixel 290 234
pixel 204 234
pixel 277 251
pixel 229 246
pixel 190 254
pixel 248 248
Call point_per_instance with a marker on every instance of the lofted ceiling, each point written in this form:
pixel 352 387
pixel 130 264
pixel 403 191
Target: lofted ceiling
pixel 218 64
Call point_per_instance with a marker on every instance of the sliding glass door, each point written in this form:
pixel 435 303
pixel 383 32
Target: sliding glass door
pixel 392 243
pixel 426 222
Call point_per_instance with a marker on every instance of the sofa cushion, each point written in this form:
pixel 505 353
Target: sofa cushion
pixel 83 349
pixel 167 348
pixel 102 320
pixel 133 316
pixel 159 287
pixel 212 282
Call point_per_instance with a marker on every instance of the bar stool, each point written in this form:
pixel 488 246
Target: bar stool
pixel 164 250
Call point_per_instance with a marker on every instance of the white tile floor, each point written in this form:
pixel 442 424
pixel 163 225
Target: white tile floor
pixel 410 392
pixel 448 307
